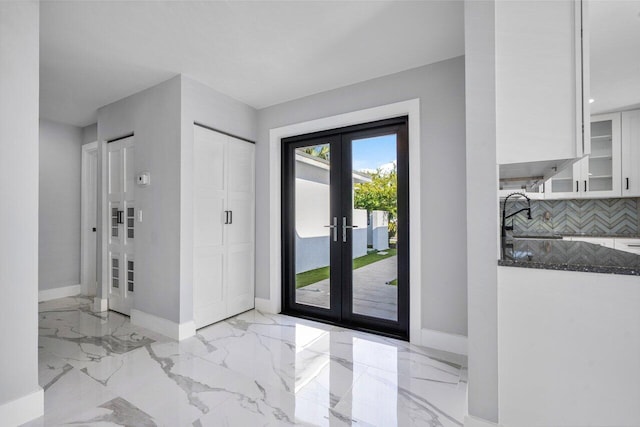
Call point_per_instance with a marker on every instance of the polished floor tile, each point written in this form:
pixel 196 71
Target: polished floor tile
pixel 253 369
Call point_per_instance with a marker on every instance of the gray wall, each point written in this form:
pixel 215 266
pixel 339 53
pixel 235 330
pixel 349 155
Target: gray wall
pixel 154 116
pixel 482 209
pixel 162 120
pixel 19 80
pixel 90 133
pixel 60 165
pixel 200 103
pixel 440 88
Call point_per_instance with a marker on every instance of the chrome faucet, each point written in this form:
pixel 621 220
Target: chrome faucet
pixel 505 227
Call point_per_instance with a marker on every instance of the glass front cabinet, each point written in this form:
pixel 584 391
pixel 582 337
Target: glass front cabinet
pixel 599 173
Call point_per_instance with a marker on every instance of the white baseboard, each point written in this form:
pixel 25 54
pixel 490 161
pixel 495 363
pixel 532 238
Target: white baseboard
pixel 266 306
pixel 470 421
pixel 452 343
pixel 62 292
pixel 177 331
pixel 100 304
pixel 23 409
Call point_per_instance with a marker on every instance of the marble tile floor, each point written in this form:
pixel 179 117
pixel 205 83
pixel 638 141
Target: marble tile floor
pixel 251 370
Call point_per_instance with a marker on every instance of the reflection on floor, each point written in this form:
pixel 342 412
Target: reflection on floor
pixel 253 369
pixel 372 294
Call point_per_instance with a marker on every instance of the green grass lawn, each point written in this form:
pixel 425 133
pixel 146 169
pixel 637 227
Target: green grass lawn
pixel 313 276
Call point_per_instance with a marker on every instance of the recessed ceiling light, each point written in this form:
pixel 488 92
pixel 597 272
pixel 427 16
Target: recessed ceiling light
pixel 591 100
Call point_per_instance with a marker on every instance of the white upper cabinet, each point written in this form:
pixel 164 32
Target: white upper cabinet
pixel 597 175
pixel 631 153
pixel 539 90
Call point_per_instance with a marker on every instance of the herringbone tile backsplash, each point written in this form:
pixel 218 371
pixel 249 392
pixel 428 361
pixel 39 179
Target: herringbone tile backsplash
pixel 588 216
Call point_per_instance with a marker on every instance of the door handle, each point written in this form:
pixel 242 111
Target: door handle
pixel 335 228
pixel 345 227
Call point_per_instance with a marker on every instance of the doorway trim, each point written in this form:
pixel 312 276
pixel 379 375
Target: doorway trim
pixel 88 150
pixel 410 108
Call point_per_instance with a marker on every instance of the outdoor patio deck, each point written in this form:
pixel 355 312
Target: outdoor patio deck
pixel 372 296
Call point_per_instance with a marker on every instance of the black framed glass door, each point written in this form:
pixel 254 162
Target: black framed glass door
pixel 345 226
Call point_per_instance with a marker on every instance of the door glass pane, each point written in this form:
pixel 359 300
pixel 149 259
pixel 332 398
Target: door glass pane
pixel 312 218
pixel 601 160
pixel 374 241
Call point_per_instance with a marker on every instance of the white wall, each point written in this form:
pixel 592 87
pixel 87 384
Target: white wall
pixel 153 115
pixel 482 209
pixel 440 88
pixel 20 395
pixel 569 348
pixel 60 165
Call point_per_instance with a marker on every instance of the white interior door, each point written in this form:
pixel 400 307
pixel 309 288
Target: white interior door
pixel 240 242
pixel 223 226
pixel 210 200
pixel 121 214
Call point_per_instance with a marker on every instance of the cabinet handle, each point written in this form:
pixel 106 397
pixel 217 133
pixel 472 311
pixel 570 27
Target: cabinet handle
pixel 633 246
pixel 627 183
pixel 120 215
pixel 585 185
pixel 230 217
pixel 226 217
pixel 577 186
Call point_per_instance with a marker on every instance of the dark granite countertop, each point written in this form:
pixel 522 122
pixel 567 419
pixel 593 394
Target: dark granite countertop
pixel 561 235
pixel 557 254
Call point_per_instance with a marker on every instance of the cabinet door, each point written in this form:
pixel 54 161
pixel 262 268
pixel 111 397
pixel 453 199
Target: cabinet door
pixel 539 99
pixel 601 169
pixel 631 153
pixel 566 184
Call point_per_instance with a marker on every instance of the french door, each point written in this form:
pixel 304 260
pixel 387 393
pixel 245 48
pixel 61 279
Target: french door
pixel 345 226
pixel 122 218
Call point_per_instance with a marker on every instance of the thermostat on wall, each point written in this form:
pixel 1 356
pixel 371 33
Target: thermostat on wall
pixel 143 179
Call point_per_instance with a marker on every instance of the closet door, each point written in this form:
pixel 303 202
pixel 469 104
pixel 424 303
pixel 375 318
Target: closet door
pixel 121 213
pixel 241 226
pixel 223 226
pixel 210 232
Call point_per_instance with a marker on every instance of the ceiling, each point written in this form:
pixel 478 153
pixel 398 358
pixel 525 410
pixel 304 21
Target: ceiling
pixel 615 55
pixel 261 53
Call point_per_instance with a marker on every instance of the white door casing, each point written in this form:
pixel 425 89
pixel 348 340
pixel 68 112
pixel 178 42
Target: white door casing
pixel 121 219
pixel 223 226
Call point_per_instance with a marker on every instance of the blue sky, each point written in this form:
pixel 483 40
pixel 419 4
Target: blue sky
pixel 371 153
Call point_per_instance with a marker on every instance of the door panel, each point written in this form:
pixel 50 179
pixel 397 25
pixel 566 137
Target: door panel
pixel 122 224
pixel 336 186
pixel 224 228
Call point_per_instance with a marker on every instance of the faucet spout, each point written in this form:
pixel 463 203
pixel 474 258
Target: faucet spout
pixel 504 227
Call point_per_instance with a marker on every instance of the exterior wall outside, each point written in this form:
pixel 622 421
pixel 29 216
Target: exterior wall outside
pixel 379 225
pixel 59 205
